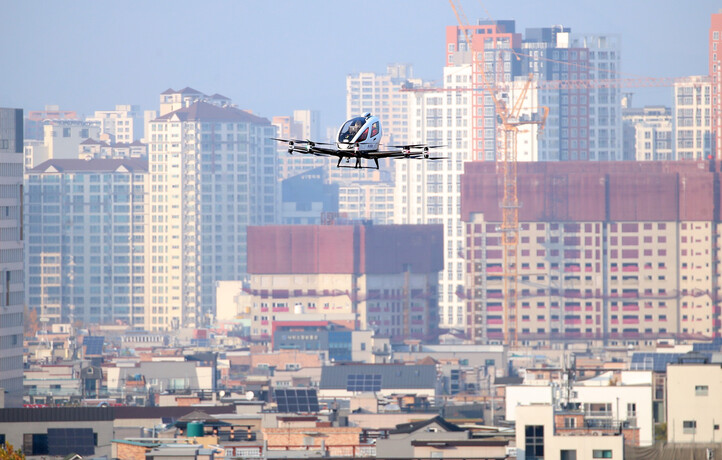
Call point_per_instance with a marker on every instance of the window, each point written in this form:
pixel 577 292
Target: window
pixel 689 426
pixel 35 444
pixel 375 129
pixel 631 410
pixel 570 422
pixel 599 453
pixel 701 390
pixel 568 454
pixel 534 442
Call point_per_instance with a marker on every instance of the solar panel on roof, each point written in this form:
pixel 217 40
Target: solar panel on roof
pixel 296 400
pixel 93 345
pixel 363 382
pixel 64 441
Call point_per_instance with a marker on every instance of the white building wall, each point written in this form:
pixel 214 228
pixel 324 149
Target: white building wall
pixel 210 179
pixel 694 403
pixel 429 192
pixel 691 118
pixel 61 140
pixel 605 109
pixel 584 446
pixel 618 397
pixel 124 124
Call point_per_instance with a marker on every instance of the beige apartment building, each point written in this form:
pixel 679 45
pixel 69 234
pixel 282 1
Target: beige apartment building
pixel 384 275
pixel 620 252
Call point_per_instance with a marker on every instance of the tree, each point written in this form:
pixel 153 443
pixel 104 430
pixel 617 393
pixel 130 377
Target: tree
pixel 660 432
pixel 7 452
pixel 31 322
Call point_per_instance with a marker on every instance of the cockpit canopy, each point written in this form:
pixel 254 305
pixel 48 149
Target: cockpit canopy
pixel 360 129
pixel 350 129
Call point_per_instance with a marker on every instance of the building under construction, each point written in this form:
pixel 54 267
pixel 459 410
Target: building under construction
pixel 620 252
pixel 384 276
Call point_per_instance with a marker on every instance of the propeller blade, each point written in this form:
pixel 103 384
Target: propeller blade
pixel 415 146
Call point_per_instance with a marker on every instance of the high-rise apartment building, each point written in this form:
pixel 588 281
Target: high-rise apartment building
pixel 86 223
pixel 647 134
pixel 124 124
pixel 548 55
pixel 428 192
pixel 214 171
pixel 61 140
pixel 12 293
pixel 604 103
pixel 367 200
pixel 304 124
pixel 620 252
pixel 171 100
pixel 383 276
pixel 35 119
pixel 380 94
pixel 692 118
pixel 309 123
pixel 90 148
pixel 494 62
pixel 715 73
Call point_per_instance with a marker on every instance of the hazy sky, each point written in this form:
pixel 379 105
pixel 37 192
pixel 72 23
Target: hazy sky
pixel 276 56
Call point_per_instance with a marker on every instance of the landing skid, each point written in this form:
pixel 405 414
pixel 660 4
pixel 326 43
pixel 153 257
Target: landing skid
pixel 359 167
pixel 358 164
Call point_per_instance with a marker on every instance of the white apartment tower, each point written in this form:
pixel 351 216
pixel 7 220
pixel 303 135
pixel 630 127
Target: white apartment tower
pixel 381 95
pixel 692 118
pixel 122 125
pixel 309 123
pixel 213 172
pixel 428 192
pixel 304 124
pixel 61 139
pixel 605 117
pixel 12 295
pixel 648 134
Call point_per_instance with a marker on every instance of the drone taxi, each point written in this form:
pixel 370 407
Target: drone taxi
pixel 359 138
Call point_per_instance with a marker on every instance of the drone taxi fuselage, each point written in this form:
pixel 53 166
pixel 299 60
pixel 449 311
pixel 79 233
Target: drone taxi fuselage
pixel 359 138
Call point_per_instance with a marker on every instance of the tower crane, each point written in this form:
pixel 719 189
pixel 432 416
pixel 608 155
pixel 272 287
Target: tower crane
pixel 508 125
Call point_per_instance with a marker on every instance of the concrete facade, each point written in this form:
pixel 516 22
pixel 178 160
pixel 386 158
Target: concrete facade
pixel 536 437
pixel 386 275
pixel 694 403
pixel 599 258
pixel 87 224
pixel 213 173
pixel 11 255
pixel 692 119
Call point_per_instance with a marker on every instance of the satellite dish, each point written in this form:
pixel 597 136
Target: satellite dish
pixel 222 393
pixel 249 395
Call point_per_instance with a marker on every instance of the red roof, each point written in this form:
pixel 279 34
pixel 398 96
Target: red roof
pixel 345 249
pixel 591 191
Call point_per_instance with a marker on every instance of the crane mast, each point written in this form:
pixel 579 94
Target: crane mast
pixel 507 126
